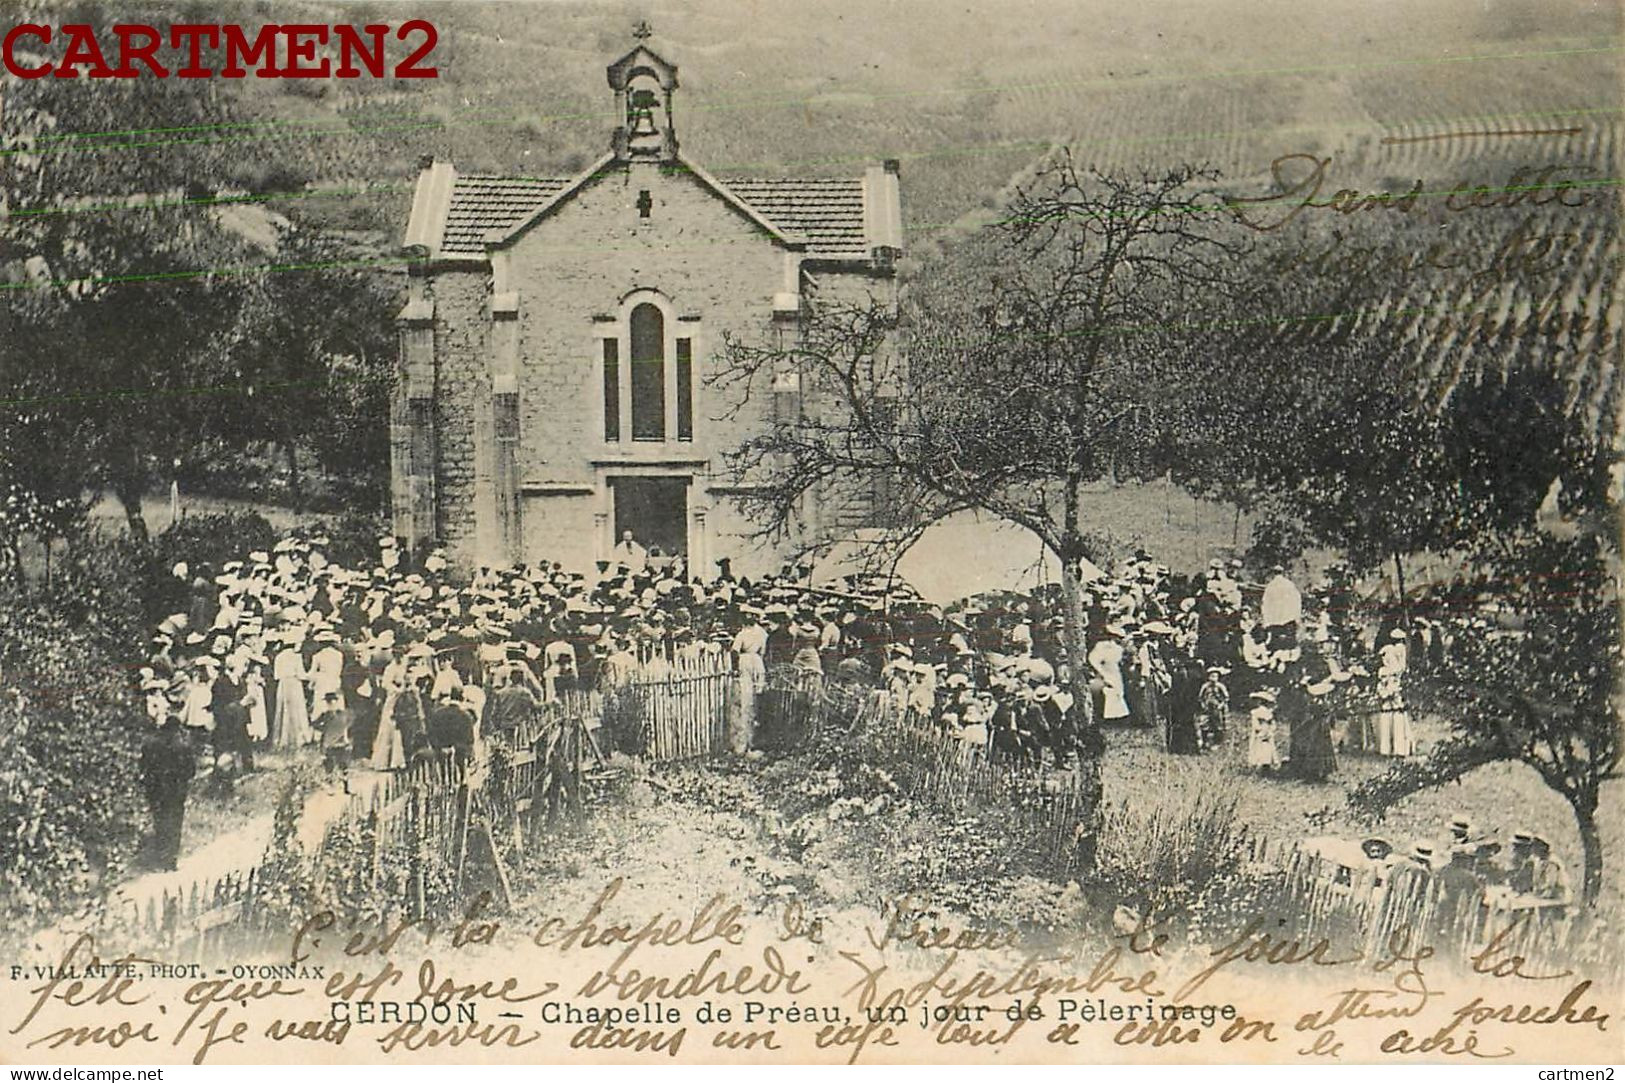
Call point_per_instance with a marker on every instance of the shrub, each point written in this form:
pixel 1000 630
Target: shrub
pixel 213 539
pixel 219 469
pixel 1276 540
pixel 1163 852
pixel 71 812
pixel 111 589
pixel 352 538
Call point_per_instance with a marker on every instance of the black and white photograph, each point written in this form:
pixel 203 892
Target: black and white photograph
pixel 765 532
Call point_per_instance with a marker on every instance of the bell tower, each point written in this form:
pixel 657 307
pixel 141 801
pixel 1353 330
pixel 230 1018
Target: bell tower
pixel 643 83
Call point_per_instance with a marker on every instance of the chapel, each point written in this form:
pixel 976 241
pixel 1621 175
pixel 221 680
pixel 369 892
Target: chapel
pixel 560 333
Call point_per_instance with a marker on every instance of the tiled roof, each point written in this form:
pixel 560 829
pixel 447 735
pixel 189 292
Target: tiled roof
pixel 829 213
pixel 480 203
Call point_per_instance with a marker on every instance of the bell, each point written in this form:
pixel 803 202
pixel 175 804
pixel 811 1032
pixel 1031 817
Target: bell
pixel 641 110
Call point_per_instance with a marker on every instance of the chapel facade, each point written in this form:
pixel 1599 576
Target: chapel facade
pixel 559 334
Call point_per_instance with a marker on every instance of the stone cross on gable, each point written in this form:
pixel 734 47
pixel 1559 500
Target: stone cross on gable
pixel 643 31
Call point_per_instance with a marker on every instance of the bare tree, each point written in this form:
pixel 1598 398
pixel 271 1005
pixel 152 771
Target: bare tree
pixel 1044 355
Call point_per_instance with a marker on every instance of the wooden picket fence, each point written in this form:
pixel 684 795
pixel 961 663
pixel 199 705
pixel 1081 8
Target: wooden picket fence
pixel 1378 909
pixel 417 839
pixel 1374 910
pixel 414 836
pixel 188 922
pixel 677 710
pixel 1053 812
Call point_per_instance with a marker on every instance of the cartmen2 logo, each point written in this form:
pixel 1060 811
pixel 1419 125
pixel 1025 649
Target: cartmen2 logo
pixel 223 50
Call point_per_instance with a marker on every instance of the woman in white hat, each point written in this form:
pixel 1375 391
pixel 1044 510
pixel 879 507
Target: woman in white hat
pixel 290 727
pixel 806 636
pixel 385 752
pixel 922 690
pixel 1394 736
pixel 197 712
pixel 156 690
pixel 1106 658
pixel 326 668
pixel 402 702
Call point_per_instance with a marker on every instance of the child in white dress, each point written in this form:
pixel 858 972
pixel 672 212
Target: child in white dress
pixel 1262 749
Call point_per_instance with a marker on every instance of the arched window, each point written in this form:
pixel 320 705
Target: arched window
pixel 648 376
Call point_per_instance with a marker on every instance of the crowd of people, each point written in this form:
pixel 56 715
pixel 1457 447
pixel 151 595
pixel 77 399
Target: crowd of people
pixel 1468 867
pixel 1179 655
pixel 392 662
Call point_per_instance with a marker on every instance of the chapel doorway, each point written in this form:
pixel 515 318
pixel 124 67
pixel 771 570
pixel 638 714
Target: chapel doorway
pixel 655 510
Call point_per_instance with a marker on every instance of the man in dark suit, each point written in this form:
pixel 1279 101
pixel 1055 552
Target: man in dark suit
pixel 231 713
pixel 333 722
pixel 781 644
pixel 411 712
pixel 860 641
pixel 510 703
pixel 1213 626
pixel 451 725
pixel 168 763
pixel 359 684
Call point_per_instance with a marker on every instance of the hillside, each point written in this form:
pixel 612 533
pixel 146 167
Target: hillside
pixel 966 98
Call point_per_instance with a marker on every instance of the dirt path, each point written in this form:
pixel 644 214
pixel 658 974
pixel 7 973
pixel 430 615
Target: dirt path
pixel 679 835
pixel 659 842
pixel 226 835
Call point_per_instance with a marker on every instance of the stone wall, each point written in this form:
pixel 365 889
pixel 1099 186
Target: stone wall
pixel 579 263
pixel 462 386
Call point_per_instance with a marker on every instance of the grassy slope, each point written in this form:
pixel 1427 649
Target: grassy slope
pixel 966 96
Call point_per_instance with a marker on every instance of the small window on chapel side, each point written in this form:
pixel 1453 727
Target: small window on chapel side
pixel 787 397
pixel 612 390
pixel 685 389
